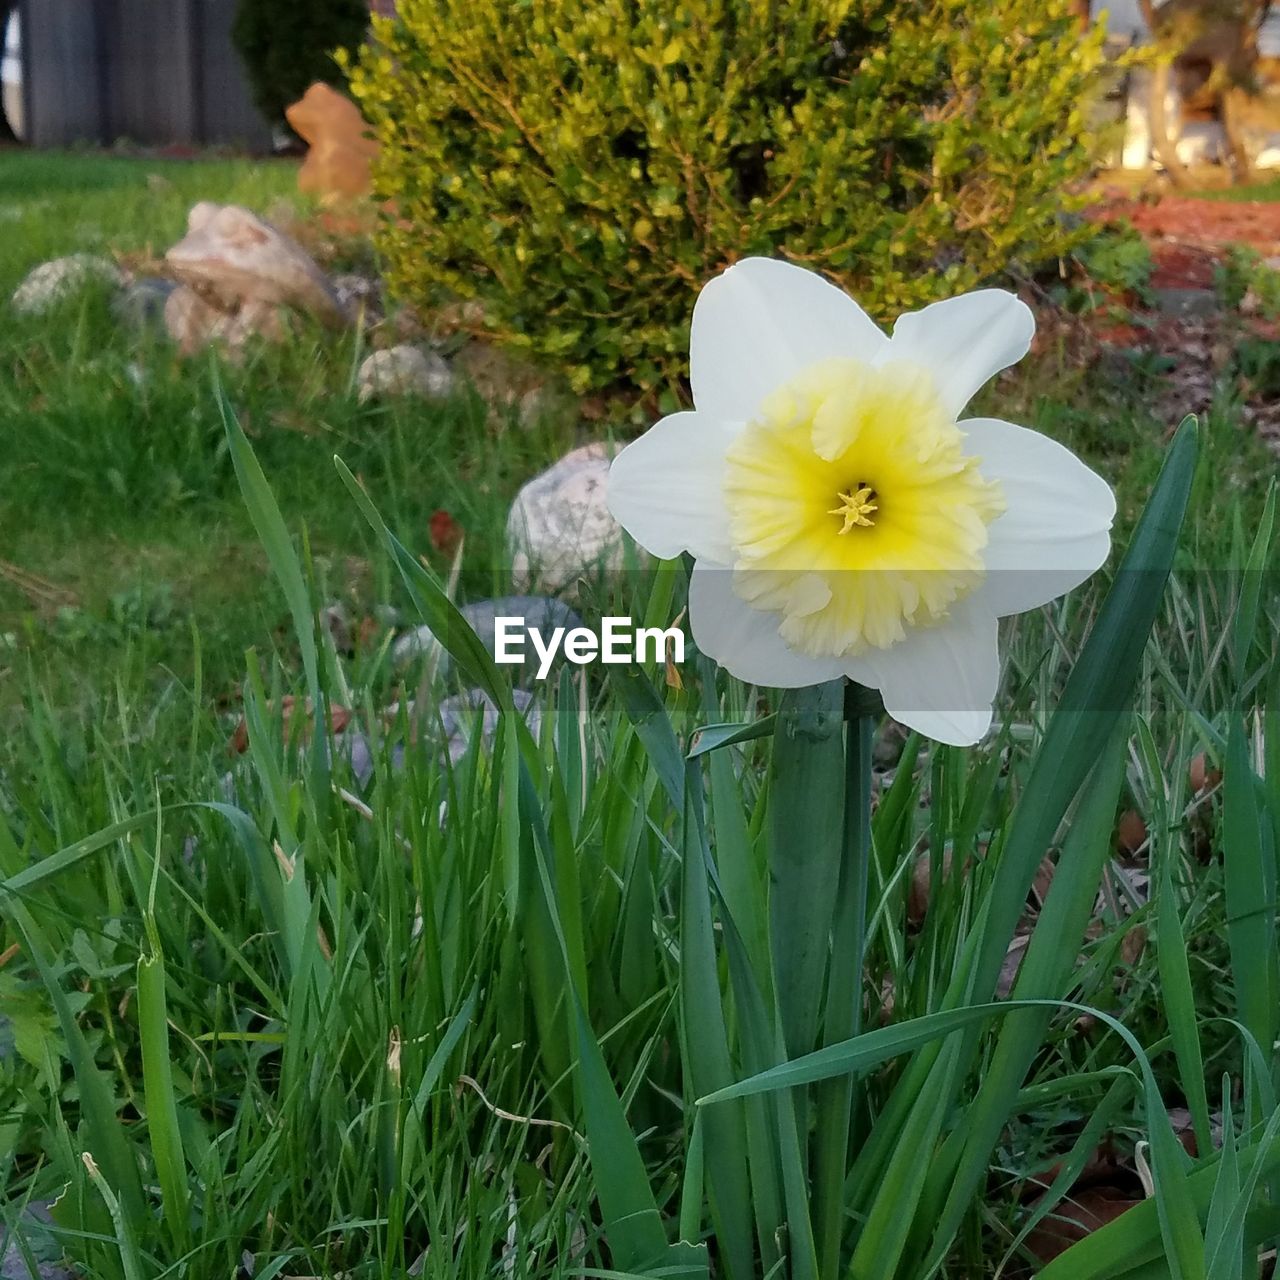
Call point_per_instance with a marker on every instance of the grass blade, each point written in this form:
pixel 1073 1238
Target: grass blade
pixel 706 1046
pixel 163 1127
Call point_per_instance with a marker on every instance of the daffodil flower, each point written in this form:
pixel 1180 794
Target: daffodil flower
pixel 843 518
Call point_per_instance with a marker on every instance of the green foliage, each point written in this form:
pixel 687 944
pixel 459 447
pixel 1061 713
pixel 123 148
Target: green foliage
pixel 1244 273
pixel 583 166
pixel 1119 259
pixel 276 993
pixel 286 46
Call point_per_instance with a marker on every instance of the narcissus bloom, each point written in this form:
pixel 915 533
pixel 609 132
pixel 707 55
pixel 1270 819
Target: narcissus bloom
pixel 844 519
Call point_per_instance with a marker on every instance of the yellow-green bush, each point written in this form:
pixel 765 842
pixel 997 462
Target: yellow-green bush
pixel 582 166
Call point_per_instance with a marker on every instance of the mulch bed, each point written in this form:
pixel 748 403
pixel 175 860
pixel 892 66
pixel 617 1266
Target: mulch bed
pixel 1196 222
pixel 1189 237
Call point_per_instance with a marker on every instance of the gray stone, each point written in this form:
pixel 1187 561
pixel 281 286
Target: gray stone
pixel 451 724
pixel 358 293
pixel 402 371
pixel 1187 303
pixel 35 1231
pixel 232 258
pixel 336 620
pixel 459 715
pixel 141 304
pixel 559 528
pixel 505 381
pixel 541 613
pixel 358 751
pixel 52 283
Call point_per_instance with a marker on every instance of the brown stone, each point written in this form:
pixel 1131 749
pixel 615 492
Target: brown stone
pixel 340 155
pixel 193 322
pixel 506 382
pixel 298 717
pixel 233 259
pixel 1131 832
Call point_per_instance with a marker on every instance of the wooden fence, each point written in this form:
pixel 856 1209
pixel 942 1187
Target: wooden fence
pixel 151 71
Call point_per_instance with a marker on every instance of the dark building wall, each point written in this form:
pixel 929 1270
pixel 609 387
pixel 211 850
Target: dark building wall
pixel 224 97
pixel 60 71
pixel 152 71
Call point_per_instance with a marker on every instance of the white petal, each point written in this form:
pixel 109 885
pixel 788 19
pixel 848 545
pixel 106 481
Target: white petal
pixel 1056 530
pixel 965 341
pixel 745 641
pixel 666 489
pixel 940 680
pixel 761 323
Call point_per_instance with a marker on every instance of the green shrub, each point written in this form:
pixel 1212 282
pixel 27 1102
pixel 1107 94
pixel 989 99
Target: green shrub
pixel 1118 259
pixel 1244 272
pixel 287 45
pixel 582 166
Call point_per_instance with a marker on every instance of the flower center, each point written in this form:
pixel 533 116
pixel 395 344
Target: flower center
pixel 911 514
pixel 856 507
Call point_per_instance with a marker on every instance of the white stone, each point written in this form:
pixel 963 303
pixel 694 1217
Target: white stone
pixel 401 371
pixel 559 528
pixel 53 282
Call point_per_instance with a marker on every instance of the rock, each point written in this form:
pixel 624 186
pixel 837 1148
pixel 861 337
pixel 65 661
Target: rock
pixel 401 371
pixel 559 527
pixel 297 717
pixel 1187 303
pixel 358 751
pixel 336 620
pixel 1131 832
pixel 1200 775
pixel 541 613
pixel 418 643
pixel 358 293
pixel 505 382
pixel 451 724
pixel 142 304
pixel 234 259
pixel 341 153
pixel 458 716
pixel 886 749
pixel 193 323
pixel 52 283
pixel 35 1232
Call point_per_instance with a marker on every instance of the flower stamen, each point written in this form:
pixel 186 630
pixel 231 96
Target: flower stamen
pixel 857 507
pixel 915 504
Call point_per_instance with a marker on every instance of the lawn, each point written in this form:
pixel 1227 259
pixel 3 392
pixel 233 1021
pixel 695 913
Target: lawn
pixel 263 1016
pixel 120 498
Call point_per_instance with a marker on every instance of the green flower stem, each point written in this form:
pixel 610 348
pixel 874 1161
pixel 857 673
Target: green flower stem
pixel 813 891
pixel 843 1014
pixel 806 800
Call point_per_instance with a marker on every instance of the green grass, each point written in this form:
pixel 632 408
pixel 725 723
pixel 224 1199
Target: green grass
pixel 1264 190
pixel 54 203
pixel 118 489
pixel 250 987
